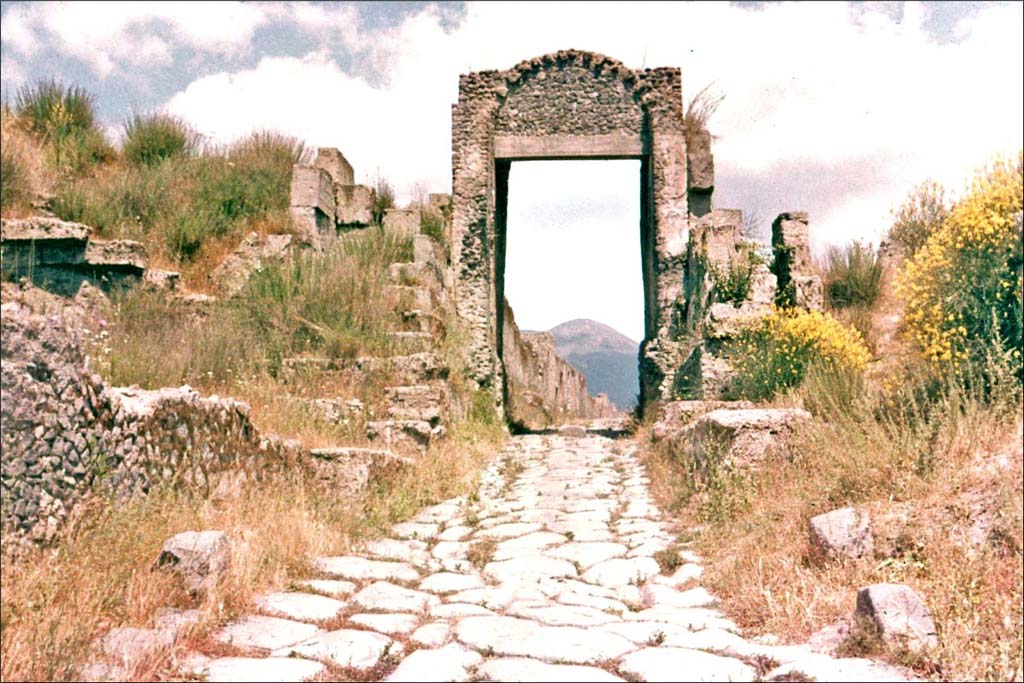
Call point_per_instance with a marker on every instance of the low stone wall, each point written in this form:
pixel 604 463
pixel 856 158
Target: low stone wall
pixel 542 387
pixel 66 436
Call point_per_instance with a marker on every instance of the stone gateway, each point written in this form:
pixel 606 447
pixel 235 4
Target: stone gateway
pixel 568 105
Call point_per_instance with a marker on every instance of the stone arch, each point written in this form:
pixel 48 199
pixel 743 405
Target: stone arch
pixel 570 104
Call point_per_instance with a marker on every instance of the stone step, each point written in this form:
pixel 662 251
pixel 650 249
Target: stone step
pixel 333 410
pixel 413 368
pixel 408 297
pixel 351 470
pixel 412 434
pixel 411 342
pixel 415 320
pixel 421 402
pixel 414 275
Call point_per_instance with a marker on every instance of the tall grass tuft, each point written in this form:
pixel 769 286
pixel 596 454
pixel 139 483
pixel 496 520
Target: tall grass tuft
pixel 700 110
pixel 48 105
pixel 853 275
pixel 383 199
pixel 152 138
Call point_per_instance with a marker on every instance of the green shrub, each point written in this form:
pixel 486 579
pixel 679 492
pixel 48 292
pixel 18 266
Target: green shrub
pixel 732 283
pixel 152 138
pixel 777 354
pixel 921 214
pixel 65 117
pixel 50 105
pixel 432 225
pixel 963 289
pixel 383 199
pixel 853 275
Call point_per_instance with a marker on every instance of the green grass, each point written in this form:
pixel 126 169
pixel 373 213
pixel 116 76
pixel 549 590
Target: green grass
pixel 852 275
pixel 152 138
pixel 182 204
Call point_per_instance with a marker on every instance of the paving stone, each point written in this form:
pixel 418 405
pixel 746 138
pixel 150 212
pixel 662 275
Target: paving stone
pixel 587 554
pixel 622 571
pixel 824 668
pixel 344 647
pixel 362 569
pixel 524 669
pixel 268 633
pixel 524 638
pixel 596 602
pixel 388 597
pixel 391 624
pixel 693 617
pixel 416 530
pixel 655 595
pixel 529 568
pixel 334 587
pixel 299 606
pixel 528 544
pixel 448 582
pixel 256 670
pixel 455 533
pixel 682 576
pixel 510 530
pixel 432 635
pixel 413 552
pixel 668 663
pixel 494 597
pixel 452 662
pixel 646 632
pixel 560 615
pixel 458 610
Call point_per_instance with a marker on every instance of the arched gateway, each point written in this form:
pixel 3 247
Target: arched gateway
pixel 569 105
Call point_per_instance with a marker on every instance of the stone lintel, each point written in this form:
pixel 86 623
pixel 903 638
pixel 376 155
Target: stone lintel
pixel 537 147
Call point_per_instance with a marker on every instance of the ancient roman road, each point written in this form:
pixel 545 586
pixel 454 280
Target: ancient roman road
pixel 548 574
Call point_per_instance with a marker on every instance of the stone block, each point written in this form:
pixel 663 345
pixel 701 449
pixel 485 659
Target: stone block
pixel 740 438
pixel 43 229
pixel 313 188
pixel 426 402
pixel 791 231
pixel 809 292
pixel 845 532
pixel 762 285
pixel 199 557
pixel 700 162
pixel 677 415
pixel 310 224
pixel 716 237
pixel 355 205
pixel 402 222
pixel 424 249
pixel 336 165
pixel 124 254
pixel 255 250
pixel 726 321
pixel 899 614
pixel 161 280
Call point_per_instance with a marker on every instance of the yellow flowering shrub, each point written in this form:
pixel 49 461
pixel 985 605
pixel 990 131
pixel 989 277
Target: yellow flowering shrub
pixel 776 354
pixel 962 289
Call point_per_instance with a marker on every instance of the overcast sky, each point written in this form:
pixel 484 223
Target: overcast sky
pixel 832 108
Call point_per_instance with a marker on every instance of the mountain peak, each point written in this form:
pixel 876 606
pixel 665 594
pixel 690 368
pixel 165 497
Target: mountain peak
pixel 605 356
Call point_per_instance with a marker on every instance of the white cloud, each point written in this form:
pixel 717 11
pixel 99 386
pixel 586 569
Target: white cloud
pixel 107 36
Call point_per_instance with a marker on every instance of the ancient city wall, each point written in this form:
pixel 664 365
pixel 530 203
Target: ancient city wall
pixel 544 389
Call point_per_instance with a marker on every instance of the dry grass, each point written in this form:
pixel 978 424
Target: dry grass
pixel 57 602
pixel 26 174
pixel 927 475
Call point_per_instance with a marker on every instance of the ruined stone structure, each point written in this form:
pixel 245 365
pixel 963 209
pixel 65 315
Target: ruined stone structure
pixel 59 256
pixel 568 105
pixel 580 105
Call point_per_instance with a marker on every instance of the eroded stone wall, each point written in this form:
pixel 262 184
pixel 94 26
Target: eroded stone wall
pixel 543 388
pixel 66 435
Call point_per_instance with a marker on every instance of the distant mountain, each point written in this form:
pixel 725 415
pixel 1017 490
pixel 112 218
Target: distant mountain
pixel 607 358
